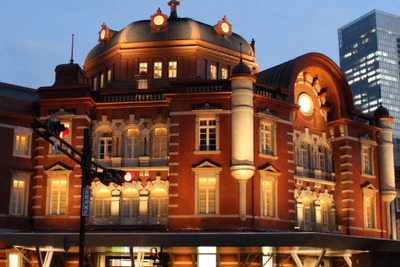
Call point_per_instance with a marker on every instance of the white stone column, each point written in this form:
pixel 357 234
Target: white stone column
pixel 242 134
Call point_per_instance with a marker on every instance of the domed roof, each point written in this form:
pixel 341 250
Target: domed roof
pixel 177 29
pixel 381 111
pixel 241 68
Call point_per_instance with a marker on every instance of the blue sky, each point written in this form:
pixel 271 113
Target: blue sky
pixel 36 35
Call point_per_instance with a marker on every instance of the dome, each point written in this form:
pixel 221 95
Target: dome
pixel 381 111
pixel 241 68
pixel 177 29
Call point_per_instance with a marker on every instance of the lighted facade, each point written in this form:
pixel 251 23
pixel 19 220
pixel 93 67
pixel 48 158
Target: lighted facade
pixel 231 165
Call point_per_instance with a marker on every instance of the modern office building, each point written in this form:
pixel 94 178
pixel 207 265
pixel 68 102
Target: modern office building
pixel 231 166
pixel 369 50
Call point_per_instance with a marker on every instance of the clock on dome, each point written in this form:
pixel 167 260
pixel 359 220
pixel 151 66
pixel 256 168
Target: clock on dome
pixel 158 21
pixel 105 33
pixel 223 27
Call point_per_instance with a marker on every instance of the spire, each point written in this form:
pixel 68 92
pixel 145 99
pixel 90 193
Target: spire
pixel 72 50
pixel 173 4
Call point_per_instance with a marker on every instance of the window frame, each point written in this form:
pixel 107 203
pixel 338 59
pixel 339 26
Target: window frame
pixel 201 115
pixel 143 84
pixel 273 182
pixel 367 147
pixel 132 142
pixel 173 69
pixel 26 132
pixel 157 71
pixel 160 150
pixel 102 143
pixel 143 67
pixel 213 72
pixel 60 211
pixel 23 177
pixel 370 193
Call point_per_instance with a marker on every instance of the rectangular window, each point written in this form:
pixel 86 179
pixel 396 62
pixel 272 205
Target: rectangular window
pixel 109 75
pixel 224 73
pixel 366 157
pixel 142 84
pixel 266 139
pixel 105 143
pixel 157 70
pixel 268 197
pixel 65 135
pixel 22 145
pixel 132 143
pixel 398 204
pixel 369 209
pixel 101 80
pixel 58 197
pixel 172 69
pixel 142 67
pixel 207 195
pixel 94 83
pixel 14 260
pixel 207 134
pixel 102 208
pixel 213 72
pixel 18 197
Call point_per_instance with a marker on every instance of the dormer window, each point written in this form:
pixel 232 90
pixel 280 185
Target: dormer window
pixel 142 67
pixel 157 70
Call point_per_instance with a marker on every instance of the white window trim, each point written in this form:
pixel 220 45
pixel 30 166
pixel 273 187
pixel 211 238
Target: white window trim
pixel 270 120
pixel 58 177
pixel 211 114
pixel 272 179
pixel 63 120
pixel 370 192
pixel 366 142
pixel 22 131
pixel 24 176
pixel 173 69
pixel 206 170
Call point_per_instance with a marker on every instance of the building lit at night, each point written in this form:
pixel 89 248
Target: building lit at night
pixel 230 165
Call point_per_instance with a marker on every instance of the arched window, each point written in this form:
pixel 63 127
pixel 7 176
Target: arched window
pixel 159 137
pixel 105 144
pixel 102 205
pixel 132 143
pixel 130 203
pixel 158 205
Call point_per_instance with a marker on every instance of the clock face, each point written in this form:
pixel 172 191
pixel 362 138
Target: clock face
pixel 103 34
pixel 158 20
pixel 306 104
pixel 225 27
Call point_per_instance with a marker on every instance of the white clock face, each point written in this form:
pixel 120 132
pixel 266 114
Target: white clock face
pixel 103 34
pixel 225 27
pixel 306 104
pixel 158 20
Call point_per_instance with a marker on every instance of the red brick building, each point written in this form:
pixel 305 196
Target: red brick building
pixel 232 166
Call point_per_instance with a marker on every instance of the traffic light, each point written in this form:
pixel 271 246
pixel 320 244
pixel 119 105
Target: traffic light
pixel 55 127
pixel 154 256
pixel 114 176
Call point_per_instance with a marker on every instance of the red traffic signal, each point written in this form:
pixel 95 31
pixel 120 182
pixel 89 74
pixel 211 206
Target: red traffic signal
pixel 153 252
pixel 64 133
pixel 128 177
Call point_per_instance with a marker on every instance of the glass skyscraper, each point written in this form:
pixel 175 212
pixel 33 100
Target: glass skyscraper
pixel 369 49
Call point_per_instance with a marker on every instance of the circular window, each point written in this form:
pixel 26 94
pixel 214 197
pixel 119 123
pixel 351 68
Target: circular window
pixel 306 104
pixel 225 27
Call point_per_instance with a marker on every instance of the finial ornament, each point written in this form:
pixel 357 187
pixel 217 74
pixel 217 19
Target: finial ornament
pixel 72 50
pixel 173 4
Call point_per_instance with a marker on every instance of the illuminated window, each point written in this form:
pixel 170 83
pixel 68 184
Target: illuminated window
pixel 157 70
pixel 22 142
pixel 58 196
pixel 94 83
pixel 369 211
pixel 308 215
pixel 207 195
pixel 207 134
pixel 101 80
pixel 130 203
pixel 268 191
pixel 142 67
pixel 224 73
pixel 18 196
pixel 160 142
pixel 132 143
pixel 207 257
pixel 172 69
pixel 158 205
pixel 109 75
pixel 66 136
pixel 14 260
pixel 267 138
pixel 213 72
pixel 105 144
pixel 367 163
pixel 142 84
pixel 102 206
